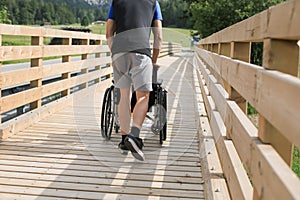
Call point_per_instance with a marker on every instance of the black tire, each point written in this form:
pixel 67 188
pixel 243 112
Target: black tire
pixel 109 113
pixel 165 101
pixel 163 115
pixel 117 128
pixel 103 112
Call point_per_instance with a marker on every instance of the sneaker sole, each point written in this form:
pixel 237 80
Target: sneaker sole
pixel 135 150
pixel 124 152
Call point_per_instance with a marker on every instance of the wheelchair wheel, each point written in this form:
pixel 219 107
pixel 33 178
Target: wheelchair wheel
pixel 165 100
pixel 163 117
pixel 107 115
pixel 103 112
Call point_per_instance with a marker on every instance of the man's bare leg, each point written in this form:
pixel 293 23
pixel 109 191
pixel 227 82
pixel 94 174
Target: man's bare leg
pixel 124 116
pixel 132 141
pixel 141 108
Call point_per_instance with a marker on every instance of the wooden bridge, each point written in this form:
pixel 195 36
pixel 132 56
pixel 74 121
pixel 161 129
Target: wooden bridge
pixel 51 146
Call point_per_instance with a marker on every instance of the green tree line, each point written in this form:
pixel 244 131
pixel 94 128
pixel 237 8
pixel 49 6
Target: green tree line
pixel 210 16
pixel 28 12
pixel 205 16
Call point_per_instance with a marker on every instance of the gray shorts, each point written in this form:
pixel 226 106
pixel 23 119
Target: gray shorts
pixel 132 68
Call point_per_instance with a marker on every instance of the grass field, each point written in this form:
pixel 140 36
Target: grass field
pixel 176 35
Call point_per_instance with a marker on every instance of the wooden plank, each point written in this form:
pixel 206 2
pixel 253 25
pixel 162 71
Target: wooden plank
pixel 58 50
pixel 21 76
pixel 6 29
pixel 237 179
pixel 25 52
pixel 90 165
pixel 215 183
pixel 187 159
pixel 113 178
pixel 8 53
pixel 42 193
pixel 46 32
pixel 19 99
pixel 61 85
pixel 215 186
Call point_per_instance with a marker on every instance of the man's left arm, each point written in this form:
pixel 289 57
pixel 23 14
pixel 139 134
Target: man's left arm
pixel 110 30
pixel 157 32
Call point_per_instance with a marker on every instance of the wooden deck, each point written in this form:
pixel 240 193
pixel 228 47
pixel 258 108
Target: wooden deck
pixel 65 157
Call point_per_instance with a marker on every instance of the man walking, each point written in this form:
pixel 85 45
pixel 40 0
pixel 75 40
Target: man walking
pixel 128 31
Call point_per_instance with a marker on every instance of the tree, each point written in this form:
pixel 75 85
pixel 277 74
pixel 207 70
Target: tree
pixel 176 13
pixel 211 16
pixel 85 21
pixel 4 17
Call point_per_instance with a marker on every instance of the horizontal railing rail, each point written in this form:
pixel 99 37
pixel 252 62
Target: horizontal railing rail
pixel 39 83
pixel 256 158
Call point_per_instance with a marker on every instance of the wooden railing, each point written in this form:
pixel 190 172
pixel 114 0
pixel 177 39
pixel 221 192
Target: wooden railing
pixel 74 69
pixel 256 160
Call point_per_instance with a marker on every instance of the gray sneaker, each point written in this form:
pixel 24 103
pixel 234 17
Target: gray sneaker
pixel 135 145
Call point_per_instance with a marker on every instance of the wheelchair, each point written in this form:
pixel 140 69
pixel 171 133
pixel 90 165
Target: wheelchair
pixel 157 110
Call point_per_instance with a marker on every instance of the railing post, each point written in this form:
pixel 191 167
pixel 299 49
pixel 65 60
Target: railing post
pixel 240 51
pixel 0 83
pixel 215 47
pixel 85 69
pixel 281 55
pixel 225 49
pixel 109 64
pixel 36 62
pixel 98 55
pixel 67 58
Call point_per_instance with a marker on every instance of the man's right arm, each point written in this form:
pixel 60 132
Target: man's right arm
pixel 110 30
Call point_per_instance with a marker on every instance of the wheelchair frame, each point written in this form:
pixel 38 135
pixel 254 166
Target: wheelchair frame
pixel 157 104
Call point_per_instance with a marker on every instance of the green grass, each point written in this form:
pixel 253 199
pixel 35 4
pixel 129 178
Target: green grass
pixel 296 161
pixel 8 40
pixel 176 35
pixel 98 29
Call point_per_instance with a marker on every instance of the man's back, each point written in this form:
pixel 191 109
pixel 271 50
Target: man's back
pixel 133 25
